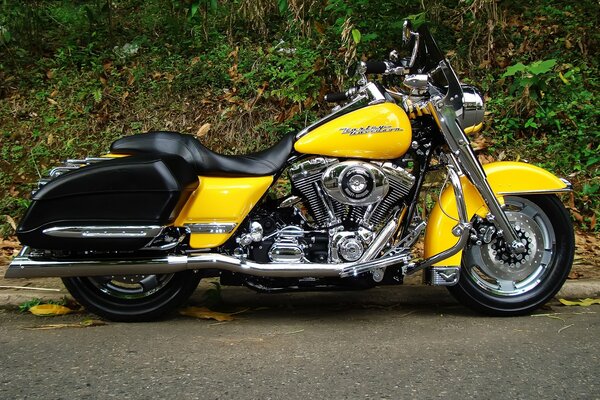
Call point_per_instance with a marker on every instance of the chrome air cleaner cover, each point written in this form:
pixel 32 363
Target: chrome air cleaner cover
pixel 355 183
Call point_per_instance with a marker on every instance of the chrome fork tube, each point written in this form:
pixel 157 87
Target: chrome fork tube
pixel 466 161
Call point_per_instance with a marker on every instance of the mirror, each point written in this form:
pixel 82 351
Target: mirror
pixel 406 32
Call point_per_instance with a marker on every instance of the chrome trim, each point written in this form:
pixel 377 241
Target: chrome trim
pixel 567 189
pixel 443 276
pixel 526 192
pixel 100 232
pixel 310 167
pixel 333 182
pixel 415 50
pixel 212 227
pixel 290 202
pixel 24 267
pixel 382 239
pixel 473 106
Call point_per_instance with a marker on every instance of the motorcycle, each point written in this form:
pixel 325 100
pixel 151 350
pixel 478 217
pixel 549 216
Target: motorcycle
pixel 132 233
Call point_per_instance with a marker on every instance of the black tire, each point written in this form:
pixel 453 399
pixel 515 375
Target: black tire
pixel 133 298
pixel 506 286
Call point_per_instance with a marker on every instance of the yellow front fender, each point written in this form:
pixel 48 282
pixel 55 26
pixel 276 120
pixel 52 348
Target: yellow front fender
pixel 505 178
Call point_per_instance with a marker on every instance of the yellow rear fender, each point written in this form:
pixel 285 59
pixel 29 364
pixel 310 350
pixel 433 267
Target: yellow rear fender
pixel 505 178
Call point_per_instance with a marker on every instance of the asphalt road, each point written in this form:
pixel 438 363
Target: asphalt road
pixel 382 344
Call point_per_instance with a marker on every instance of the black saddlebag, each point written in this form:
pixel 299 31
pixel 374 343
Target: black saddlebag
pixel 69 212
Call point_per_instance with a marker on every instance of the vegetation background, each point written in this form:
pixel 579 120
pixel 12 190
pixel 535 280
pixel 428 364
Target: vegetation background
pixel 77 74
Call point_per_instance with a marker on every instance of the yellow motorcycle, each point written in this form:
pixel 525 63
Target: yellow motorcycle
pixel 133 232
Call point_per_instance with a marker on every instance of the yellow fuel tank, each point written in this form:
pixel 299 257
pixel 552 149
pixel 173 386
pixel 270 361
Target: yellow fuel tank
pixel 379 132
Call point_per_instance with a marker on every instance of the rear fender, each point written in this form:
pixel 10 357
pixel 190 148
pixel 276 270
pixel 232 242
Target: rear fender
pixel 505 178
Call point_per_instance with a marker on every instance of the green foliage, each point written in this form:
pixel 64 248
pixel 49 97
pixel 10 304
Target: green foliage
pixel 534 77
pixel 75 75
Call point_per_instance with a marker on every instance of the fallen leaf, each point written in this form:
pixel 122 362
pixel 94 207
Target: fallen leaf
pixel 52 101
pixel 203 130
pixel 205 313
pixel 91 322
pixel 49 310
pixel 11 221
pixel 575 275
pixel 582 302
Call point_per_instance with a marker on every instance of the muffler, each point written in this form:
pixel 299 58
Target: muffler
pixel 25 267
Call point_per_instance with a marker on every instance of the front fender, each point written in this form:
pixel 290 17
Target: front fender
pixel 505 178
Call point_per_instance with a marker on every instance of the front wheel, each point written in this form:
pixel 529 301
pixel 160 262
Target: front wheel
pixel 133 298
pixel 496 281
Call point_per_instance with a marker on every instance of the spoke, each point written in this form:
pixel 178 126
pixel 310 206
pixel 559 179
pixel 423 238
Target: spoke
pixel 506 286
pixel 546 257
pixel 530 211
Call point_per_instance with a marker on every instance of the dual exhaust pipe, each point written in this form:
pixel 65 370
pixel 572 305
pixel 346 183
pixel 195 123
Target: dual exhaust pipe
pixel 23 266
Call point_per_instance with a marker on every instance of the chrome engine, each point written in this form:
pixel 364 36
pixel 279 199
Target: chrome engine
pixel 355 193
pixel 340 209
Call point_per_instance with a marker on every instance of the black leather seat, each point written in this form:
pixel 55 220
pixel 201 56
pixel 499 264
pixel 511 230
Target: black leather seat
pixel 205 161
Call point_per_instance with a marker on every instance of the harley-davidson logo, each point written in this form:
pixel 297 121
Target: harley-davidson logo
pixel 369 129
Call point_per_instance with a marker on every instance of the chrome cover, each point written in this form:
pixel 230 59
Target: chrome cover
pixel 473 107
pixel 286 251
pixel 100 232
pixel 212 227
pixel 443 276
pixel 355 183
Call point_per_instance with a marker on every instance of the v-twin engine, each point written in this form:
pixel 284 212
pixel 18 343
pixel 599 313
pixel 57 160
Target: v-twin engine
pixel 343 213
pixel 354 193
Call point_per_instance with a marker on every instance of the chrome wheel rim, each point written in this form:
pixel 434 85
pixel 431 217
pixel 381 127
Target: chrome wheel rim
pixel 498 271
pixel 131 286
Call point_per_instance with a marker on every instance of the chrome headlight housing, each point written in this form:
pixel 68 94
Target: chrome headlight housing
pixel 473 109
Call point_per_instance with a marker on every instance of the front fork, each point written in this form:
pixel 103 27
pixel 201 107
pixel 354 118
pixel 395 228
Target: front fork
pixel 465 161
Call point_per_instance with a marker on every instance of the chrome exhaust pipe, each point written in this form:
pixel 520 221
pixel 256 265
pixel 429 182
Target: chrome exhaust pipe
pixel 25 267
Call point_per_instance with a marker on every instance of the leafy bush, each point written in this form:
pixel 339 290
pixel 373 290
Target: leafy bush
pixel 76 75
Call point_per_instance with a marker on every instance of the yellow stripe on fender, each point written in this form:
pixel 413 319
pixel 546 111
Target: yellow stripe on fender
pixel 221 200
pixel 505 178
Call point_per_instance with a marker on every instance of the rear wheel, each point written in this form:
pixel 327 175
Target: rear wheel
pixel 133 297
pixel 498 282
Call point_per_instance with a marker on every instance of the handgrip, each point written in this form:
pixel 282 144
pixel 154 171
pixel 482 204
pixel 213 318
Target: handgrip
pixel 376 67
pixel 336 97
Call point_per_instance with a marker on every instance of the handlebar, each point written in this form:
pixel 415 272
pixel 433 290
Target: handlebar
pixel 376 67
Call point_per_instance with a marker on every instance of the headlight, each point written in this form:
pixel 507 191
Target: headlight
pixel 473 109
